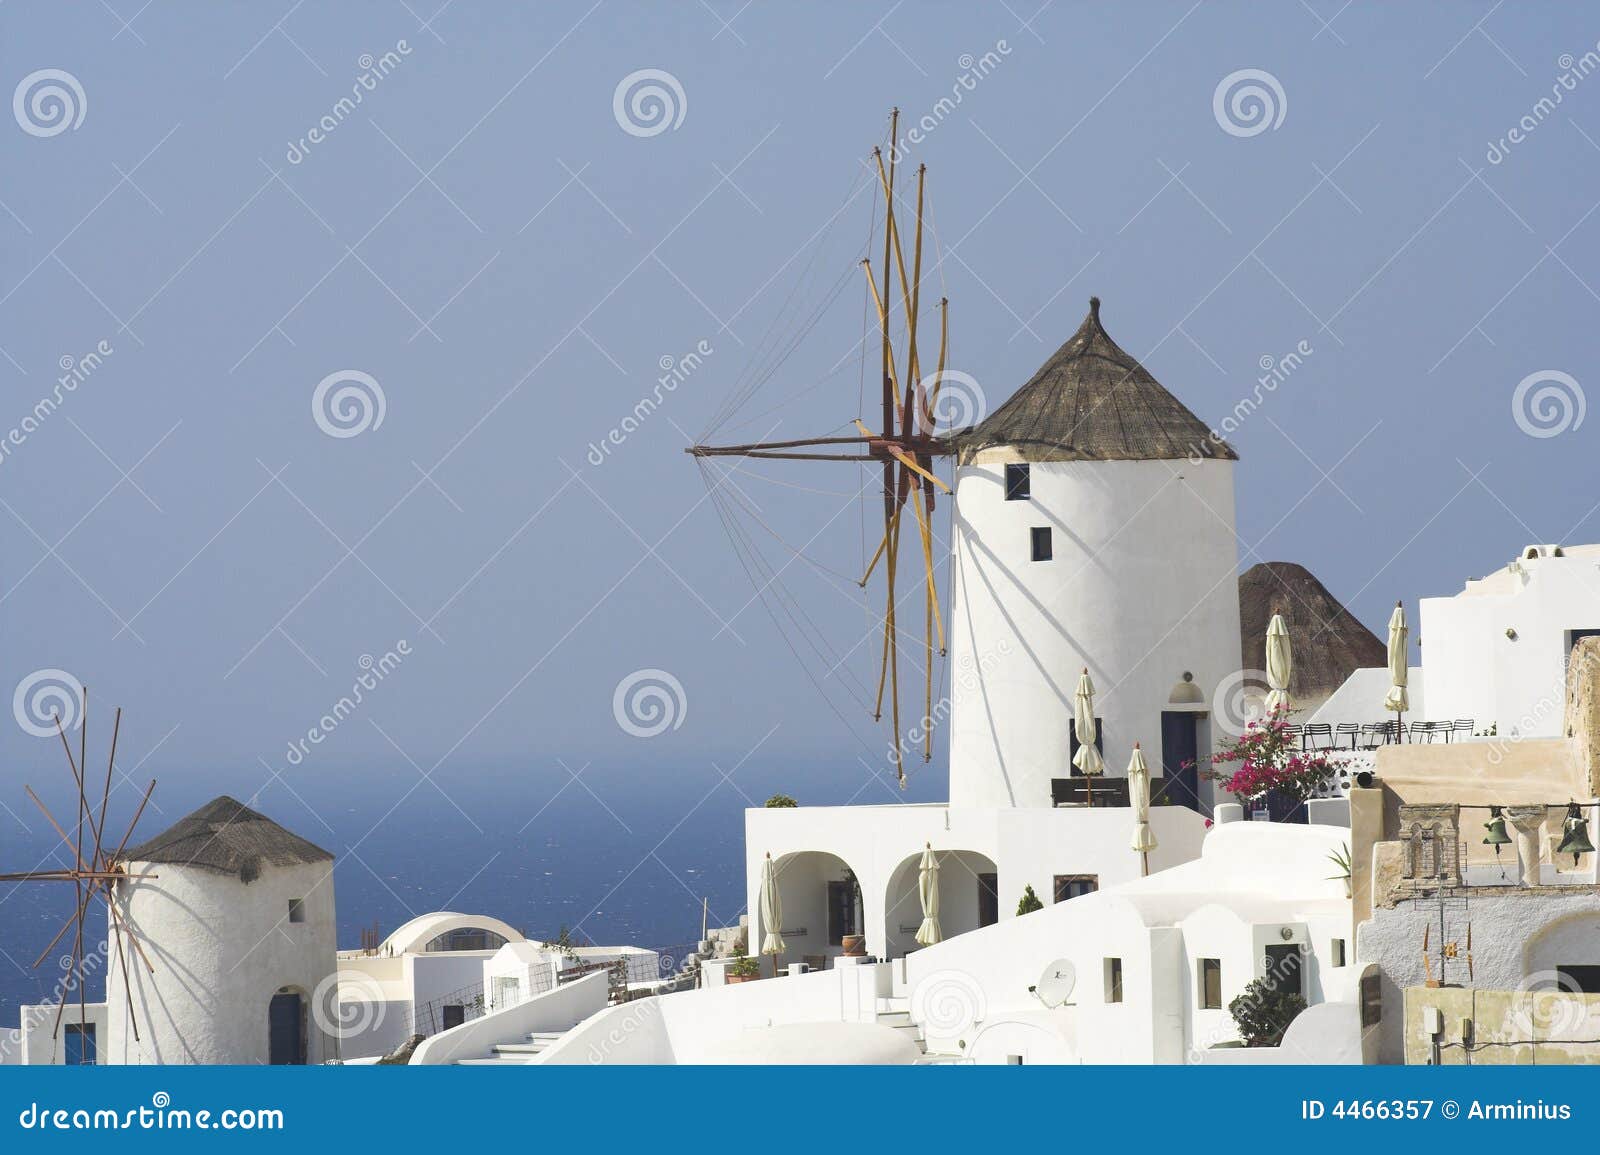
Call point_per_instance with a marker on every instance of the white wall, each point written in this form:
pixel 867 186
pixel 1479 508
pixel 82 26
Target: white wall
pixel 220 948
pixel 1142 586
pixel 557 1010
pixel 1476 671
pixel 1361 696
pixel 37 1040
pixel 1027 846
pixel 691 1026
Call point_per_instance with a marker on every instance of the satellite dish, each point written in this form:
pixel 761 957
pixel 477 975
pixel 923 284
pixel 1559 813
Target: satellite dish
pixel 1055 985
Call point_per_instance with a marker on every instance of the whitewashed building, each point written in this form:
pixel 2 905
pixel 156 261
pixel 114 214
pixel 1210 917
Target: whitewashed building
pixel 1093 529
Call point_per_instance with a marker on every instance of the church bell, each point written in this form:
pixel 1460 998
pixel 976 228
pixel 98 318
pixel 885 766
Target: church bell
pixel 1576 839
pixel 1495 830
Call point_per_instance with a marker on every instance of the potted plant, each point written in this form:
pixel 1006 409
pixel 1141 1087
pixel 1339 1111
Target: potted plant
pixel 743 969
pixel 1030 901
pixel 1267 764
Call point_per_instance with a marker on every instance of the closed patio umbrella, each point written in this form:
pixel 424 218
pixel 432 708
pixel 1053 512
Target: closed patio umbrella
pixel 1280 665
pixel 1087 759
pixel 928 890
pixel 1144 839
pixel 1398 700
pixel 771 913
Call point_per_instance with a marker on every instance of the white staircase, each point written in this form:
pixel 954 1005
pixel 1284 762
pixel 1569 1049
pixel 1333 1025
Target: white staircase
pixel 515 1054
pixel 895 1013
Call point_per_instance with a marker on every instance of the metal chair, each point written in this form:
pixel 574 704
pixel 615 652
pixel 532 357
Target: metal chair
pixel 1463 726
pixel 1316 736
pixel 1351 730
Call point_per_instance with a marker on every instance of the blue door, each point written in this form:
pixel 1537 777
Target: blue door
pixel 286 1030
pixel 78 1046
pixel 1180 751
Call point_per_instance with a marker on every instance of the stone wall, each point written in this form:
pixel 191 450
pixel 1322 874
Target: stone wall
pixel 1583 710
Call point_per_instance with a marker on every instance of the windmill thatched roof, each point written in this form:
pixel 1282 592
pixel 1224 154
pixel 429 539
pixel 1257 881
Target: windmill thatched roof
pixel 1327 640
pixel 227 836
pixel 1091 401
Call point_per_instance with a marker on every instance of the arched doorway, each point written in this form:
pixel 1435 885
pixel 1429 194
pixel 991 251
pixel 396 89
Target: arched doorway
pixel 286 1028
pixel 822 902
pixel 968 898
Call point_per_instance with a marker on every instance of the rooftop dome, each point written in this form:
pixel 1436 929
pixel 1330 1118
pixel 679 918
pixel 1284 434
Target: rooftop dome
pixel 1091 401
pixel 227 836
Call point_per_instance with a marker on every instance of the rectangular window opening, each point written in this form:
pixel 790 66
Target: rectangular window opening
pixel 1338 952
pixel 1073 885
pixel 297 910
pixel 1041 543
pixel 1211 984
pixel 1018 483
pixel 1113 980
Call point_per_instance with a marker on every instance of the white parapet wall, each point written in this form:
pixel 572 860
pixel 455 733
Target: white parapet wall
pixel 557 1010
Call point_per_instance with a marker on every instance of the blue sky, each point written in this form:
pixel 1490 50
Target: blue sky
pixel 483 238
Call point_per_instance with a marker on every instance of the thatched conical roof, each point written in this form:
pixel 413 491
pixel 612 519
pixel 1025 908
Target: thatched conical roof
pixel 1328 641
pixel 227 836
pixel 1091 401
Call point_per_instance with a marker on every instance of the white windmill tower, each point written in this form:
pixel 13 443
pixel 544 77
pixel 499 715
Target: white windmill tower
pixel 1094 528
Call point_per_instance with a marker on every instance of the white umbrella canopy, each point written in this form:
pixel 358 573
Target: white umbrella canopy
pixel 1144 839
pixel 1087 759
pixel 1280 665
pixel 928 890
pixel 1398 700
pixel 771 910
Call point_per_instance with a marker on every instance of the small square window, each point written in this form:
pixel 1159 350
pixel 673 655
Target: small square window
pixel 297 910
pixel 1041 543
pixel 1017 483
pixel 1338 952
pixel 1113 980
pixel 1211 984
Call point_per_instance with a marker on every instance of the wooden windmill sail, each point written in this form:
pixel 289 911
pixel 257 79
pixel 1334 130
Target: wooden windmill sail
pixel 93 873
pixel 905 444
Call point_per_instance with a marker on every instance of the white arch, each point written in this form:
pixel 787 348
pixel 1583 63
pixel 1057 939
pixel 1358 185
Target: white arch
pixel 414 936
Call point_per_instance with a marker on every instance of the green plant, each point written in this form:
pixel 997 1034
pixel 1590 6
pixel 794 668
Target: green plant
pixel 743 966
pixel 780 802
pixel 1030 902
pixel 1341 859
pixel 1267 756
pixel 1263 1013
pixel 565 943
